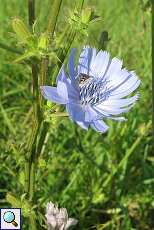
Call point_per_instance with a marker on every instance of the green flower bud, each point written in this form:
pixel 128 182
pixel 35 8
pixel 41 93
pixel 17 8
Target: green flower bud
pixel 86 15
pixel 43 42
pixel 21 30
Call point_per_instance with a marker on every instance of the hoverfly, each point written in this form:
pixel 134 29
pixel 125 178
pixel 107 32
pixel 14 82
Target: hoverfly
pixel 83 78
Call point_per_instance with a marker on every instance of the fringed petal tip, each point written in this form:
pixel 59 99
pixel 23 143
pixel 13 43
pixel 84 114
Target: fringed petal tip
pixel 99 126
pixel 138 96
pixel 87 47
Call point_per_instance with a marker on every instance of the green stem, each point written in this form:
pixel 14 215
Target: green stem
pixel 30 156
pixel 31 159
pixel 32 225
pixel 152 2
pixel 27 176
pixel 55 8
pixel 31 12
pixel 44 67
pixel 43 75
pixel 42 138
pixel 32 180
pixel 36 105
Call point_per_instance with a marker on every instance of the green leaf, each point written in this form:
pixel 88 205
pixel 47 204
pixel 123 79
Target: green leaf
pixel 7 120
pixel 13 200
pixel 22 178
pixel 25 56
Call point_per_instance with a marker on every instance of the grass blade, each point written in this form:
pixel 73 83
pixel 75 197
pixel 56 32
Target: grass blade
pixel 7 120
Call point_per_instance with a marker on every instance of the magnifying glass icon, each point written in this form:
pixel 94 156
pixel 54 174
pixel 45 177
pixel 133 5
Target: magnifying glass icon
pixel 9 217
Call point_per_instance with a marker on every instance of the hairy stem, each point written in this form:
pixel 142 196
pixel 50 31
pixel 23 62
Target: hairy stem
pixel 31 159
pixel 43 75
pixel 55 9
pixel 42 138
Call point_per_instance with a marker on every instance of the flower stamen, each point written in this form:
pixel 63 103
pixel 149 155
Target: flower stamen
pixel 92 90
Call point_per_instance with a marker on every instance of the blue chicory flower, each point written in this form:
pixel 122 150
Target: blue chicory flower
pixel 97 88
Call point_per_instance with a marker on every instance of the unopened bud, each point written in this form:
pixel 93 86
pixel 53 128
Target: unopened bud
pixel 43 42
pixel 86 15
pixel 21 30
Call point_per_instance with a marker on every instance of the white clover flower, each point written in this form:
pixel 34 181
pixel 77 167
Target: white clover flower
pixel 57 219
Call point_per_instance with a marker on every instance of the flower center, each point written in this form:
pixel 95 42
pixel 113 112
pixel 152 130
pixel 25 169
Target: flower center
pixel 92 90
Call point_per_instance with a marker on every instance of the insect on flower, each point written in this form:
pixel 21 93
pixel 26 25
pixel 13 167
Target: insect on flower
pixel 96 89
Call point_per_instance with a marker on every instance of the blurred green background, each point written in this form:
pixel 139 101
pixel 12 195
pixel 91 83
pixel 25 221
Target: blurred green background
pixel 105 181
